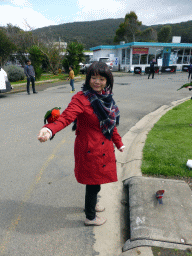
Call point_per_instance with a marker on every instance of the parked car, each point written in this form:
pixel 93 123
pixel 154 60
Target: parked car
pixel 103 59
pixel 87 65
pixel 107 61
pixel 82 68
pixel 5 85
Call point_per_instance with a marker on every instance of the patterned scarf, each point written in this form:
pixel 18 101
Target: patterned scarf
pixel 105 109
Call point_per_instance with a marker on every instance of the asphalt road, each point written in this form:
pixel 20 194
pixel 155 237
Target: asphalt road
pixel 41 203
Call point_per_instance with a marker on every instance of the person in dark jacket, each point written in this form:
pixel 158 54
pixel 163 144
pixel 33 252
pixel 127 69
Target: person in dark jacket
pixel 30 74
pixel 152 69
pixel 190 71
pixel 96 115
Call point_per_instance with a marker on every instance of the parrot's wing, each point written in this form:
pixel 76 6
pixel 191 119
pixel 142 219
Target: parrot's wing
pixel 48 114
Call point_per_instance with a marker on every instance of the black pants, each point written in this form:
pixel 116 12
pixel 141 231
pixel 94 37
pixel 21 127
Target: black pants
pixel 91 200
pixel 32 80
pixel 190 75
pixel 151 72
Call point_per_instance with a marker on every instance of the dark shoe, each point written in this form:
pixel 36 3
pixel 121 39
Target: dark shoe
pixel 35 92
pixel 28 93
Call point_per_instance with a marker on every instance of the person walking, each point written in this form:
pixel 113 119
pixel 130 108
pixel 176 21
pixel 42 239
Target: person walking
pixel 71 77
pixel 190 71
pixel 30 74
pixel 97 116
pixel 152 69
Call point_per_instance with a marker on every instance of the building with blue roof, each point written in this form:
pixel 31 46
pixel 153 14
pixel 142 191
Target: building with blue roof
pixel 128 56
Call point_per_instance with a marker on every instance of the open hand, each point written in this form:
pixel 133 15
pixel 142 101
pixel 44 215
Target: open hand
pixel 121 149
pixel 44 135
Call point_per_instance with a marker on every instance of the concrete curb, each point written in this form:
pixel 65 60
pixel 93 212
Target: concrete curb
pixel 128 165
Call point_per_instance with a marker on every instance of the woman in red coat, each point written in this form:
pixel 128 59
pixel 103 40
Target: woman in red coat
pixel 96 116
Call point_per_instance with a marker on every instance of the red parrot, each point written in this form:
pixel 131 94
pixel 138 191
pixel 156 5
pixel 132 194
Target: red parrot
pixel 52 115
pixel 159 196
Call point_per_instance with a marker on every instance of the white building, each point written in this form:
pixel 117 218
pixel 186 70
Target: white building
pixel 128 56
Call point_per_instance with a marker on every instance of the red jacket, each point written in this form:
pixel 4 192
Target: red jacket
pixel 95 161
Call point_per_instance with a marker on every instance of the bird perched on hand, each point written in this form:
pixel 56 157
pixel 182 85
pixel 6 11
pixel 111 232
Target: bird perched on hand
pixel 52 115
pixel 159 196
pixel 188 85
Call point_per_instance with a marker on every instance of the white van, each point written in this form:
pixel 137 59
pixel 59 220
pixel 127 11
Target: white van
pixel 5 85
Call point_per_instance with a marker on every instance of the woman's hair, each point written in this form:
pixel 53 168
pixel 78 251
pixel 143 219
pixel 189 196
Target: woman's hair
pixel 99 68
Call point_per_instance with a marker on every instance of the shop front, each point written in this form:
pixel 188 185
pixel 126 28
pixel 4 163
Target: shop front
pixel 139 54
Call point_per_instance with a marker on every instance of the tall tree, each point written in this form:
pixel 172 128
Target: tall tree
pixel 36 57
pixel 22 40
pixel 148 35
pixel 164 35
pixel 6 47
pixel 129 28
pixel 74 55
pixel 53 56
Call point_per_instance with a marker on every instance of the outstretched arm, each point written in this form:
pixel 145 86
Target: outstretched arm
pixel 74 108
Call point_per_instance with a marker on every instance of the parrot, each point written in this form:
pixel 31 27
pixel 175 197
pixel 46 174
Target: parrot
pixel 159 196
pixel 185 86
pixel 52 115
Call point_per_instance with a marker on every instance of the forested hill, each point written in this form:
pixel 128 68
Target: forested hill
pixel 102 32
pixel 183 29
pixel 90 33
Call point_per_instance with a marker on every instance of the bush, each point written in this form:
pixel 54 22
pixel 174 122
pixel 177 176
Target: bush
pixel 14 73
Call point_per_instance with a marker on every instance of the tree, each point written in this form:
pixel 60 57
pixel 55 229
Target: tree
pixel 164 35
pixel 6 47
pixel 74 55
pixel 52 56
pixel 129 28
pixel 36 57
pixel 120 33
pixel 148 35
pixel 21 39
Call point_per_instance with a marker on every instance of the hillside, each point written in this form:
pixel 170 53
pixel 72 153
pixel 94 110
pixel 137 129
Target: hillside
pixel 102 32
pixel 90 33
pixel 183 29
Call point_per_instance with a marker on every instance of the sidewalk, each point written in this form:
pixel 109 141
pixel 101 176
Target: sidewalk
pixel 128 165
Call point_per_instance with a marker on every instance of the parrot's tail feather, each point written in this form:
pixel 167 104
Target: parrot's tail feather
pixel 160 201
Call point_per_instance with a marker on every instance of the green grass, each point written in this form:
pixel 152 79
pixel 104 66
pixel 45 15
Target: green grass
pixel 45 77
pixel 159 251
pixel 169 144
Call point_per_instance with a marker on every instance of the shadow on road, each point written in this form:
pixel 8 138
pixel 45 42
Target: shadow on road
pixel 38 219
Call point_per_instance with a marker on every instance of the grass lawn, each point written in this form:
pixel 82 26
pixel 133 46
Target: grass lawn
pixel 165 154
pixel 168 144
pixel 158 251
pixel 47 76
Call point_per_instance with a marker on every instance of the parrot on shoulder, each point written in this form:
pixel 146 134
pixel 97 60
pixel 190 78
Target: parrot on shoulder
pixel 159 196
pixel 52 115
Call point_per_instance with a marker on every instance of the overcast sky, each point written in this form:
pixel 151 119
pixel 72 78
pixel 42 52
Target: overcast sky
pixel 41 13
